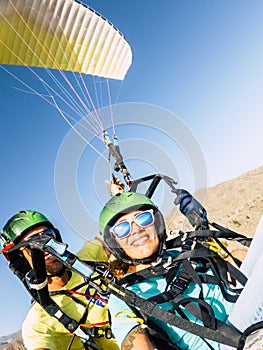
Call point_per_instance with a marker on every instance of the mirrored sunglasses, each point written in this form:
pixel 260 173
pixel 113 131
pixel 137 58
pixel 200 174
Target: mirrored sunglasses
pixel 46 232
pixel 123 229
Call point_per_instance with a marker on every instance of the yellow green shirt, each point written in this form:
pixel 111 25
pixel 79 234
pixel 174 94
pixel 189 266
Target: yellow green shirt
pixel 40 330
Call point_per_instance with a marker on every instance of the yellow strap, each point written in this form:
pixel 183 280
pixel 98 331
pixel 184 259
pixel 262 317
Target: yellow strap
pixel 116 289
pixel 130 317
pixel 212 246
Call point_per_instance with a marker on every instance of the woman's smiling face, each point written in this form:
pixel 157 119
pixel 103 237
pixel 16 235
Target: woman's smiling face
pixel 141 242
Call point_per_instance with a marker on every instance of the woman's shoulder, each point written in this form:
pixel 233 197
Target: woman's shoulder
pixel 93 250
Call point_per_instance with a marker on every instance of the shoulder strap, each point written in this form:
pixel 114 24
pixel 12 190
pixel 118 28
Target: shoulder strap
pixel 35 281
pixel 147 308
pixel 203 235
pixel 179 274
pixel 49 305
pixel 155 270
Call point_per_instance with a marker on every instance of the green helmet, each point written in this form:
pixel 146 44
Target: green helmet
pixel 124 203
pixel 20 223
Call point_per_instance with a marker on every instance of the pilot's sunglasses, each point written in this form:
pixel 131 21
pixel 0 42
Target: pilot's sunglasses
pixel 123 229
pixel 46 232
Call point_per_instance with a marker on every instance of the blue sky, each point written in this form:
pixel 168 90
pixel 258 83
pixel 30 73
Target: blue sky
pixel 200 60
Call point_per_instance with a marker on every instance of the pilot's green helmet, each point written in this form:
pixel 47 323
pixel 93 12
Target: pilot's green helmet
pixel 20 223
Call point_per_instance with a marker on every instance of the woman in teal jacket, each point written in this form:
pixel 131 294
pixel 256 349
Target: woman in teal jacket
pixel 134 231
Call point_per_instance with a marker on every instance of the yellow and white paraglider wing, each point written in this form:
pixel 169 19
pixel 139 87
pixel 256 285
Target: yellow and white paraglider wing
pixel 63 35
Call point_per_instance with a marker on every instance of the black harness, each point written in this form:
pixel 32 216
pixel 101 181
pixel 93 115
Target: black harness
pixel 35 281
pixel 179 272
pixel 191 265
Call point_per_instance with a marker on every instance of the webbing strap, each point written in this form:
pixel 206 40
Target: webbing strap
pixel 144 274
pixel 229 337
pixel 40 276
pixel 213 329
pixel 195 254
pixel 229 234
pixel 220 232
pixel 42 296
pixel 202 253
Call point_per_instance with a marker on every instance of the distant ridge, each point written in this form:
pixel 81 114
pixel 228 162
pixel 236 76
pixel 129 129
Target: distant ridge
pixel 236 204
pixel 12 342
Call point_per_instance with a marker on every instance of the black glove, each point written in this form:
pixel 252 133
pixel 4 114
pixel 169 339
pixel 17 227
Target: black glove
pixel 191 208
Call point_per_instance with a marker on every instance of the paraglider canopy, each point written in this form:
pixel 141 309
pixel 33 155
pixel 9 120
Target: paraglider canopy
pixel 64 35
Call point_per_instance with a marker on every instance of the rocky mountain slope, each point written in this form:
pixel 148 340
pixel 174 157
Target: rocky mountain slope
pixel 236 204
pixel 12 342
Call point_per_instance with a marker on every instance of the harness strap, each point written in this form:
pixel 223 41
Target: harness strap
pixel 159 337
pixel 214 280
pixel 187 274
pixel 156 270
pixel 179 273
pixel 194 255
pixel 95 331
pixel 177 281
pixel 36 278
pixel 148 308
pixel 204 253
pixel 44 299
pixel 40 277
pixel 229 234
pixel 221 327
pixel 220 232
pixel 186 303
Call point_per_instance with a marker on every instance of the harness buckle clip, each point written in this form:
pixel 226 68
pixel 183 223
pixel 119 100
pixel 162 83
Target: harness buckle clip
pixel 186 242
pixel 108 333
pixel 180 283
pixel 168 262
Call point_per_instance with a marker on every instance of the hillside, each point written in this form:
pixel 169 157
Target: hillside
pixel 12 342
pixel 236 204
